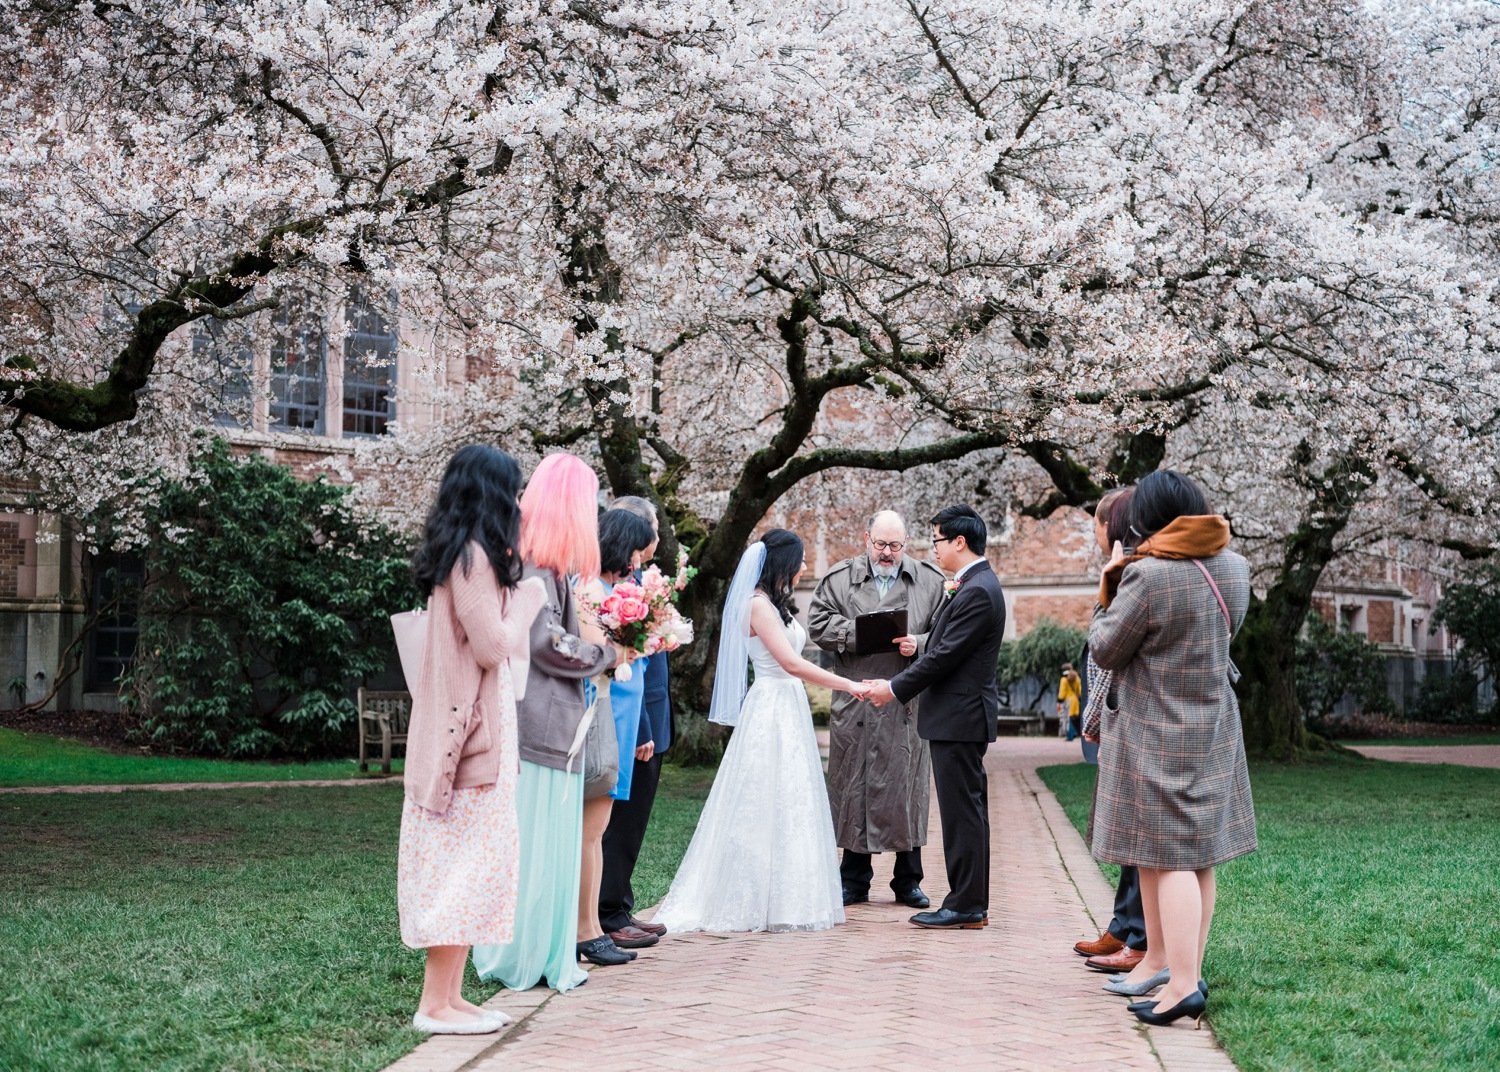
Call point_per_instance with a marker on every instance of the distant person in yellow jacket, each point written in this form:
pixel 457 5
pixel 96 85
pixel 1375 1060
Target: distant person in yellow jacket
pixel 1069 697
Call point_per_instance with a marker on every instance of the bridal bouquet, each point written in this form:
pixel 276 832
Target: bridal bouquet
pixel 643 615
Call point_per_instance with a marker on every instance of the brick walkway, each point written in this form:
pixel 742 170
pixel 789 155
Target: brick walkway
pixel 875 994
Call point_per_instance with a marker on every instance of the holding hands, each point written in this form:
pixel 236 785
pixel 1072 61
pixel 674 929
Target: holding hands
pixel 878 691
pixel 859 690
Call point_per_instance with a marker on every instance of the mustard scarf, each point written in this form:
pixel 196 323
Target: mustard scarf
pixel 1189 536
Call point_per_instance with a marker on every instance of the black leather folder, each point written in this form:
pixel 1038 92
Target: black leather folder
pixel 876 633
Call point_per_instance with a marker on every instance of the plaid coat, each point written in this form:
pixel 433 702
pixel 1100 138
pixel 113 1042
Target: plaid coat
pixel 1174 791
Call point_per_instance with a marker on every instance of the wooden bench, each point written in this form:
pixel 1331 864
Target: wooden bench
pixel 1020 724
pixel 382 720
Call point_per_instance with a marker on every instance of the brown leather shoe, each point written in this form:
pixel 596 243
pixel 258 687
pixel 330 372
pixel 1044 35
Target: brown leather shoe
pixel 1121 961
pixel 633 938
pixel 650 928
pixel 1102 946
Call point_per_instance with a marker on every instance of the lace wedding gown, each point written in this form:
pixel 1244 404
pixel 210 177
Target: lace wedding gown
pixel 763 857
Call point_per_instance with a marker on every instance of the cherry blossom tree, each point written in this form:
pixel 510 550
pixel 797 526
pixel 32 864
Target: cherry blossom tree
pixel 725 248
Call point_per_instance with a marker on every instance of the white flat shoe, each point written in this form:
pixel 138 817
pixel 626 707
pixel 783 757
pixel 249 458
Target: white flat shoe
pixel 480 1025
pixel 503 1019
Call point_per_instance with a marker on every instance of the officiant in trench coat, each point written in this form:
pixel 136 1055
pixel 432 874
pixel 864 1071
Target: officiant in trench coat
pixel 878 768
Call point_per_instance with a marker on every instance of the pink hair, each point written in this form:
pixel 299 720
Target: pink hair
pixel 560 516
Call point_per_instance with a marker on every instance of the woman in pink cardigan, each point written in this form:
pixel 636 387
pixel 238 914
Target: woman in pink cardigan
pixel 456 873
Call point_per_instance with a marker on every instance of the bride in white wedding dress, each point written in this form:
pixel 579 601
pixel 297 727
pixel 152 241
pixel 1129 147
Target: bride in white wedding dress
pixel 763 855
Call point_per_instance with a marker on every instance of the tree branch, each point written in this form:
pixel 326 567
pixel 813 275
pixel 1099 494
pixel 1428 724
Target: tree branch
pixel 897 459
pixel 317 129
pixel 975 105
pixel 79 408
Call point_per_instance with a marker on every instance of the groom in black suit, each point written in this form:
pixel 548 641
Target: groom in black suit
pixel 960 699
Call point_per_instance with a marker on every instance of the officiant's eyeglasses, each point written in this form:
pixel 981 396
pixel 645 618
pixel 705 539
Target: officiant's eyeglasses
pixel 887 545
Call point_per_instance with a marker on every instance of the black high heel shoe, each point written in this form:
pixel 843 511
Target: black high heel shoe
pixel 1194 1005
pixel 1150 1003
pixel 602 950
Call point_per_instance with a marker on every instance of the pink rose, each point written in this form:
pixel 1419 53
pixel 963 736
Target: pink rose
pixel 632 610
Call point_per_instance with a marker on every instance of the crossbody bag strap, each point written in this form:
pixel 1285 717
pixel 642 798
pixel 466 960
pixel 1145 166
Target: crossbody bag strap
pixel 1228 621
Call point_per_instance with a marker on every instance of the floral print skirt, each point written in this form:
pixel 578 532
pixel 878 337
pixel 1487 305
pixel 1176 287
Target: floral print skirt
pixel 456 872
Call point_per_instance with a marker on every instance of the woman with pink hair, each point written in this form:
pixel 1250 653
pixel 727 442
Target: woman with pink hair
pixel 559 541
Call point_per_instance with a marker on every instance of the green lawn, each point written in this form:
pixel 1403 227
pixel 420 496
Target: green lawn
pixel 213 929
pixel 1363 935
pixel 37 759
pixel 1471 738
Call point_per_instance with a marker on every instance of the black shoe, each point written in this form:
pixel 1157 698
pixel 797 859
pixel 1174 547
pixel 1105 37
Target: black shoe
pixel 602 950
pixel 1150 1003
pixel 946 917
pixel 913 898
pixel 1194 1005
pixel 851 897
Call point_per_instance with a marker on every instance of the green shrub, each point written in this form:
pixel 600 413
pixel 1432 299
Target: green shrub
pixel 820 700
pixel 1040 655
pixel 1331 664
pixel 1452 697
pixel 266 603
pixel 1470 609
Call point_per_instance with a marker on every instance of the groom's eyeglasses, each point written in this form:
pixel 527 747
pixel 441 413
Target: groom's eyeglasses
pixel 943 539
pixel 887 545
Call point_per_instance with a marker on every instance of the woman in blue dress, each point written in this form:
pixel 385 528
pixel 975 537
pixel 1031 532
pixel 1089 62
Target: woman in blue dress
pixel 623 539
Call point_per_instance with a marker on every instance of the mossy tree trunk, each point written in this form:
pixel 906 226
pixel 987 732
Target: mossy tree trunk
pixel 767 474
pixel 1266 648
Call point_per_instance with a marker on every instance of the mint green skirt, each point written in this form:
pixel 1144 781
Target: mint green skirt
pixel 549 806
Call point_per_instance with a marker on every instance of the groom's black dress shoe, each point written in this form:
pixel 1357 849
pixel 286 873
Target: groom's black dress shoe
pixel 913 898
pixel 946 917
pixel 855 897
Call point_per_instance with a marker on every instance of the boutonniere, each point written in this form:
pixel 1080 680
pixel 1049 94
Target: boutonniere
pixel 949 587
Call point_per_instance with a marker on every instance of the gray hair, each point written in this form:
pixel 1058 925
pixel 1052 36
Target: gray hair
pixel 640 507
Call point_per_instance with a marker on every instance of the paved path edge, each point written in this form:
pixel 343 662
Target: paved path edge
pixel 1176 1049
pixel 178 787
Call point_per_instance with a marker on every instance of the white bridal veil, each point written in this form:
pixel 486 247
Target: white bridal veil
pixel 732 671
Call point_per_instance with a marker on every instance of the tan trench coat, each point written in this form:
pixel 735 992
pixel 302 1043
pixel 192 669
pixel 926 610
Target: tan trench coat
pixel 878 768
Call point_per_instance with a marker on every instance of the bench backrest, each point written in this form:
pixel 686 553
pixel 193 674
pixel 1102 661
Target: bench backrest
pixel 394 708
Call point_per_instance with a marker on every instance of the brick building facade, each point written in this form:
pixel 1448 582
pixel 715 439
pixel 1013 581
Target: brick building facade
pixel 1049 568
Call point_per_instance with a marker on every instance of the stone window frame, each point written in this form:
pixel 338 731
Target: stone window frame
pixel 318 396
